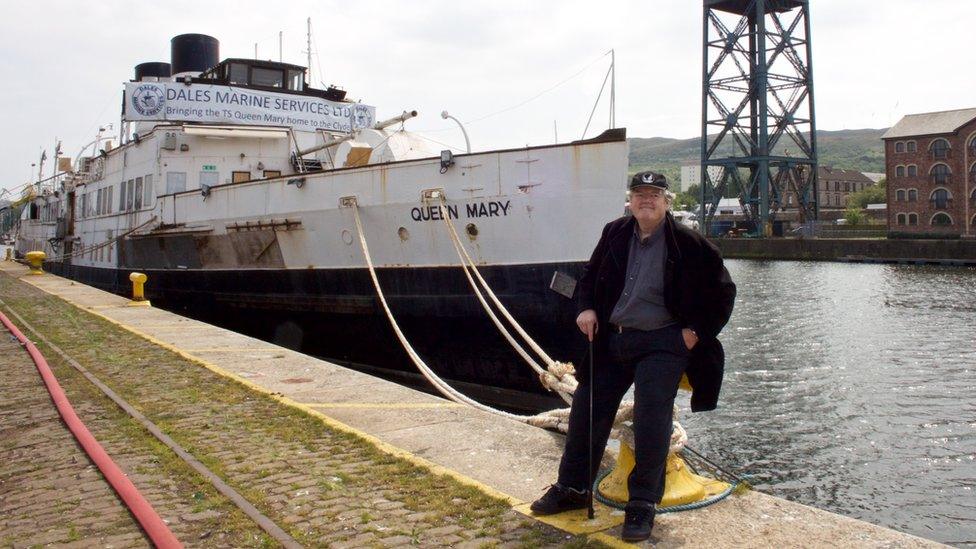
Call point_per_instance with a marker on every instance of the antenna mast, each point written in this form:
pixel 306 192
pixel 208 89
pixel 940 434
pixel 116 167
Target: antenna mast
pixel 613 89
pixel 308 48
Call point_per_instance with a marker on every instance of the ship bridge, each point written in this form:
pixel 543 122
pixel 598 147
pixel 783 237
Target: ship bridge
pixel 266 75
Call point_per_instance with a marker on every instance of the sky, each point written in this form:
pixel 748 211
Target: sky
pixel 515 73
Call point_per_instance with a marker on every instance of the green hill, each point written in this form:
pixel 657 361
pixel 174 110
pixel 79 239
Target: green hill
pixel 859 150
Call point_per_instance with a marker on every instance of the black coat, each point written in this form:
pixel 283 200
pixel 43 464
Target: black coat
pixel 698 291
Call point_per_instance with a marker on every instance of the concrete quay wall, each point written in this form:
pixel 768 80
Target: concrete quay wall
pixel 961 252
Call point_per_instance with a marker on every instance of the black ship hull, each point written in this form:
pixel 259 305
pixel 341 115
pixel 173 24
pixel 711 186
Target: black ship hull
pixel 335 314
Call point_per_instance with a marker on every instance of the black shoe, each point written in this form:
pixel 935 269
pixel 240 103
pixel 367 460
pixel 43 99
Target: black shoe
pixel 558 499
pixel 638 521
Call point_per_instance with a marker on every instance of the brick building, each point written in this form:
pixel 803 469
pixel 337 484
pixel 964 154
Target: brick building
pixel 930 164
pixel 835 185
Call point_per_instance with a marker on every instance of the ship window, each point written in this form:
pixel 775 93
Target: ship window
pixel 175 182
pixel 272 173
pixel 271 78
pixel 138 197
pixel 129 194
pixel 295 80
pixel 147 191
pixel 240 177
pixel 237 74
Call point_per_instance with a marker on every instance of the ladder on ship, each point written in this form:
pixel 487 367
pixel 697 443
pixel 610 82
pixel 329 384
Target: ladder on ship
pixel 305 165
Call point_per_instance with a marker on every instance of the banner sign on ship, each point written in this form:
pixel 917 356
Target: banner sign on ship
pixel 176 101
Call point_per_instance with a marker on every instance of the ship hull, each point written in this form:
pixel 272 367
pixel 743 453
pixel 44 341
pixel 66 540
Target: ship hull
pixel 283 259
pixel 335 314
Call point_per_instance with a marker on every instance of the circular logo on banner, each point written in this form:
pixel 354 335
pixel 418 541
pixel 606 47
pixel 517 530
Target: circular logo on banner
pixel 148 99
pixel 361 117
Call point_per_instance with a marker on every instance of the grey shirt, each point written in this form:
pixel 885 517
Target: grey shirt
pixel 641 305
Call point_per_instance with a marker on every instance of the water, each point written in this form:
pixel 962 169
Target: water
pixel 852 388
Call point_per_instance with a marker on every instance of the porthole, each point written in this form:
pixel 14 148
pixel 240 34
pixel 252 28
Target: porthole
pixel 472 231
pixel 403 233
pixel 346 237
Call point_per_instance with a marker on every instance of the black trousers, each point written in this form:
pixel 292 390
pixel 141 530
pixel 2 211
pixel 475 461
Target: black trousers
pixel 653 362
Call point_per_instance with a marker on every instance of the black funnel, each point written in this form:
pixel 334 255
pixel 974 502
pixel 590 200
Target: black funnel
pixel 194 52
pixel 153 68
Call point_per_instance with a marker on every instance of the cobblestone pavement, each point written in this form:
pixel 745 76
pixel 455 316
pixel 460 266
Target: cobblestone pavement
pixel 49 490
pixel 325 487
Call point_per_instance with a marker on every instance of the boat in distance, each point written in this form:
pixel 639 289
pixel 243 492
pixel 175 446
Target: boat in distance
pixel 231 189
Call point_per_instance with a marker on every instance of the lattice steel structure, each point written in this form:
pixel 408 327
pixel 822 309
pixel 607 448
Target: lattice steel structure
pixel 757 103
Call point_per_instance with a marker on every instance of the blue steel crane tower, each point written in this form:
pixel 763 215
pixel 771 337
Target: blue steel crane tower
pixel 758 125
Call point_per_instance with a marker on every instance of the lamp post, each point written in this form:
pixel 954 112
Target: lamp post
pixel 467 142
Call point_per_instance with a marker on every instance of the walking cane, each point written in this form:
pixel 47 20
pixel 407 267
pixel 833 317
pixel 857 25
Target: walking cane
pixel 589 463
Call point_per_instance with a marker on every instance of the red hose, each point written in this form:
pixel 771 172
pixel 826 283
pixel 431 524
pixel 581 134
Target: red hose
pixel 151 522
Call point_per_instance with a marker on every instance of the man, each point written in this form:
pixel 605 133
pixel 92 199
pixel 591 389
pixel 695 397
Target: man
pixel 652 299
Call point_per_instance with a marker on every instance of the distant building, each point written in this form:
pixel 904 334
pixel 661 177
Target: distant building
pixel 835 185
pixel 729 206
pixel 930 163
pixel 691 174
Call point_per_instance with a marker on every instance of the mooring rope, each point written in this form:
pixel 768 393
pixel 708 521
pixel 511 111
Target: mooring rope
pixel 553 419
pixel 565 384
pixel 446 390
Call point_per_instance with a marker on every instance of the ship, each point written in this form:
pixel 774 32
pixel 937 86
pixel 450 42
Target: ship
pixel 234 186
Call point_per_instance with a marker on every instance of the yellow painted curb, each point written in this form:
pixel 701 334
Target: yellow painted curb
pixel 382 405
pixel 575 522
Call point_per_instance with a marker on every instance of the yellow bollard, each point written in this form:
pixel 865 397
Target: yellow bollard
pixel 36 262
pixel 681 485
pixel 138 297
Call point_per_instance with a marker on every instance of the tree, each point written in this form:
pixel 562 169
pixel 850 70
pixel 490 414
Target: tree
pixel 685 201
pixel 874 194
pixel 853 215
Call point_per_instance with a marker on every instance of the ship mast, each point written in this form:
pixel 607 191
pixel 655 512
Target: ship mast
pixel 308 50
